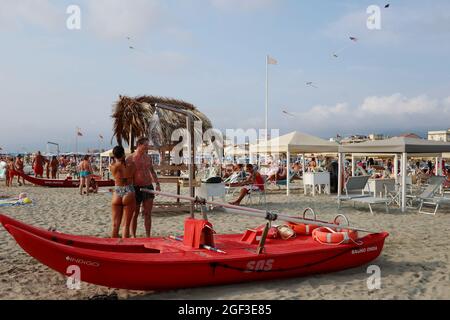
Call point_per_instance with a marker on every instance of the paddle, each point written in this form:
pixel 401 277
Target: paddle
pixel 262 242
pixel 271 216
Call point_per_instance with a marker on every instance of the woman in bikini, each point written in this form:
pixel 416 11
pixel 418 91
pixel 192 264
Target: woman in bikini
pixel 11 171
pixel 124 199
pixel 85 174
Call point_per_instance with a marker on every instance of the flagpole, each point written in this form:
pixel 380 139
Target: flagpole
pixel 267 98
pixel 76 141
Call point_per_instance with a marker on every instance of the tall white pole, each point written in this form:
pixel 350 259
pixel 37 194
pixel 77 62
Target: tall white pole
pixel 404 159
pixel 438 166
pixel 288 166
pixel 304 170
pixel 339 174
pixel 353 165
pixel 267 98
pixel 396 168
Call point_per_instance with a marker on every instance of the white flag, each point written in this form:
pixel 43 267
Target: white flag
pixel 271 60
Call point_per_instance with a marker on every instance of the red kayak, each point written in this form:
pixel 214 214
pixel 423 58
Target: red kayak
pixel 165 263
pixel 68 183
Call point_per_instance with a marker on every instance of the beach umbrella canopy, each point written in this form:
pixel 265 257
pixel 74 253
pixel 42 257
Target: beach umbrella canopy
pixel 235 151
pixel 398 145
pixel 295 142
pixel 109 153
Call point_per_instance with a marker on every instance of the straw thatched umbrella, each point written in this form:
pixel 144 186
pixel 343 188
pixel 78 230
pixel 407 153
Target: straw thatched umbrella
pixel 131 118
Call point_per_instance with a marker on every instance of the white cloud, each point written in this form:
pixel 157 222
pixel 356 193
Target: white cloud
pixel 325 111
pixel 378 114
pixel 241 5
pixel 399 25
pixel 397 104
pixel 39 13
pixel 118 18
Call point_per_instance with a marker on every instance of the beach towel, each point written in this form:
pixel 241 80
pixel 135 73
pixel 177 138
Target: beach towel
pixel 12 202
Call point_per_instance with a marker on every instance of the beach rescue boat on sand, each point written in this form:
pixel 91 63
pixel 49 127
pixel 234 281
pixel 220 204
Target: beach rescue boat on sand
pixel 200 257
pixel 58 183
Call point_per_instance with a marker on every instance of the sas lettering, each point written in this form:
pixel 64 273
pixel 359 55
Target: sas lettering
pixel 261 265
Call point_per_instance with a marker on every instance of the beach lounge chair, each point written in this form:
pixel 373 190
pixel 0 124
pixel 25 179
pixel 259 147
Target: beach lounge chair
pixel 354 188
pixel 280 183
pixel 428 197
pixel 354 191
pixel 261 194
pixel 393 192
pixel 229 189
pixel 435 201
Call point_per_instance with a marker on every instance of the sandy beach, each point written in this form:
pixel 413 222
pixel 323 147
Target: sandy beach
pixel 414 264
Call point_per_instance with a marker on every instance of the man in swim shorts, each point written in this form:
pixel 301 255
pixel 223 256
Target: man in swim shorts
pixel 19 168
pixel 144 178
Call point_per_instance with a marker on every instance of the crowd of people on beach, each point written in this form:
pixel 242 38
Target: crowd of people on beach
pixel 135 176
pixel 49 167
pixel 10 167
pixel 385 168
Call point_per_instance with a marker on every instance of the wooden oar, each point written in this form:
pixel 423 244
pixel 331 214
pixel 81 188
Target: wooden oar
pixel 262 242
pixel 271 216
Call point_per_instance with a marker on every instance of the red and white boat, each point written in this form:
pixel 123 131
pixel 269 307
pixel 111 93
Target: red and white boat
pixel 58 183
pixel 165 263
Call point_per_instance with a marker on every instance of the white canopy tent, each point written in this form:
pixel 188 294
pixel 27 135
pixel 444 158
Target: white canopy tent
pixel 297 143
pixel 235 151
pixel 397 146
pixel 109 154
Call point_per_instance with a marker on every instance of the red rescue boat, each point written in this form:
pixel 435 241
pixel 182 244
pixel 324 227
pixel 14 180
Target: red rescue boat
pixel 57 183
pixel 165 263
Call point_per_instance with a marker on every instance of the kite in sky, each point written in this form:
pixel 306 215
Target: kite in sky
pixel 387 6
pixel 311 84
pixel 336 53
pixel 132 46
pixel 289 114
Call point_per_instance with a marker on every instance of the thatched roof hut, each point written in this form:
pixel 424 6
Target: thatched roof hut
pixel 132 115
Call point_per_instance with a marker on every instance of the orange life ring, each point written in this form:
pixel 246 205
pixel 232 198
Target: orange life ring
pixel 302 229
pixel 330 236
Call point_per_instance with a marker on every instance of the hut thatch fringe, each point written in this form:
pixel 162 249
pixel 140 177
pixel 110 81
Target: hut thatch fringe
pixel 132 115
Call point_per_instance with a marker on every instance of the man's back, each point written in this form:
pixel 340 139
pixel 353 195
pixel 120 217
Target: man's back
pixel 143 164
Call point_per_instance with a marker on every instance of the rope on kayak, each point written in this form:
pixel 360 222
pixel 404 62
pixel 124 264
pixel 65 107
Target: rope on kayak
pixel 214 265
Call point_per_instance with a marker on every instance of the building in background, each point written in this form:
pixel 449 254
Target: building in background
pixel 442 135
pixel 374 137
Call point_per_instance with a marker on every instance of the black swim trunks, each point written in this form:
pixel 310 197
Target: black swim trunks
pixel 142 196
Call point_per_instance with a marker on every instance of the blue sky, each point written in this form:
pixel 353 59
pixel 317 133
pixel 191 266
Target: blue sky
pixel 212 53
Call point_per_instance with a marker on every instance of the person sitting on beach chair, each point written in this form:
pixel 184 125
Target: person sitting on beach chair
pixel 297 169
pixel 253 182
pixel 272 171
pixel 228 172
